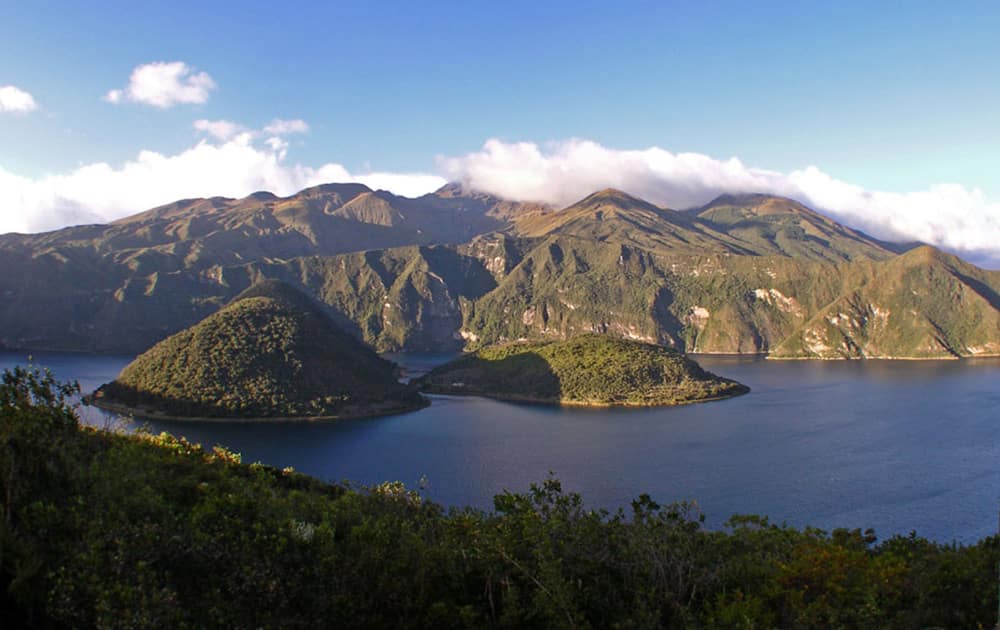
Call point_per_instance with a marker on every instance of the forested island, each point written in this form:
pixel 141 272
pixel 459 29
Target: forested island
pixel 270 354
pixel 100 529
pixel 586 370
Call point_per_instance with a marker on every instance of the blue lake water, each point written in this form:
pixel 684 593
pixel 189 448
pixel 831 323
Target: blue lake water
pixel 897 446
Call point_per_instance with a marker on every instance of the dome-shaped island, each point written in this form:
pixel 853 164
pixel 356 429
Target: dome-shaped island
pixel 270 354
pixel 590 370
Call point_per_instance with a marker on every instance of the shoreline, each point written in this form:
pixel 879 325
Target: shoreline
pixel 531 400
pixel 137 412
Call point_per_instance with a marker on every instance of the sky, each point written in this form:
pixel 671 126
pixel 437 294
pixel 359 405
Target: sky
pixel 882 115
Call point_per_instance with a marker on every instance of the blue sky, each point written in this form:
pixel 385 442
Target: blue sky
pixel 892 97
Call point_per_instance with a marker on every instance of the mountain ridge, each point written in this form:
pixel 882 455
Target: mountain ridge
pixel 752 278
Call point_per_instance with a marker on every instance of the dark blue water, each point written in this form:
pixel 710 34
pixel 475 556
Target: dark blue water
pixel 897 446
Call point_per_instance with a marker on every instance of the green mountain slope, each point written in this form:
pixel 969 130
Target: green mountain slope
pixel 323 220
pixel 583 370
pixel 271 353
pixel 762 225
pixel 923 304
pixel 614 216
pixel 769 225
pixel 746 274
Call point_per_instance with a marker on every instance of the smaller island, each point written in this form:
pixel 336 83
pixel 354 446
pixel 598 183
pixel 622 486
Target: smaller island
pixel 587 370
pixel 271 354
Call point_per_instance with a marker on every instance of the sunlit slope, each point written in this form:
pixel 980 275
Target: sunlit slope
pixel 769 225
pixel 746 274
pixel 271 353
pixel 923 304
pixel 584 370
pixel 612 216
pixel 323 220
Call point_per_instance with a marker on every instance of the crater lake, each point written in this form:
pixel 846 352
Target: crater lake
pixel 892 445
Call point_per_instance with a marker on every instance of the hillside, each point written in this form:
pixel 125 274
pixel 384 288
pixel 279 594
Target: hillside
pixel 116 530
pixel 769 225
pixel 595 370
pixel 161 270
pixel 319 221
pixel 615 216
pixel 923 304
pixel 744 274
pixel 758 225
pixel 271 353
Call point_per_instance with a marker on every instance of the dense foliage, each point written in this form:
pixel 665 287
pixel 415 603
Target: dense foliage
pixel 270 353
pixel 107 530
pixel 587 369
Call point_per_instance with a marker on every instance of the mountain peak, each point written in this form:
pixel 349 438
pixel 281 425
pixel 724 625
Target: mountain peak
pixel 276 290
pixel 263 195
pixel 758 203
pixel 451 189
pixel 612 194
pixel 773 224
pixel 926 254
pixel 346 191
pixel 616 198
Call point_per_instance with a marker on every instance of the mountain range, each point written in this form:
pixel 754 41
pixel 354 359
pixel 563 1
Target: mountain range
pixel 460 269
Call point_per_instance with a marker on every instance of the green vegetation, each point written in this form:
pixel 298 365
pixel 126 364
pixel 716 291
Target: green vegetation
pixel 271 353
pixel 743 274
pixel 769 225
pixel 107 530
pixel 922 304
pixel 588 369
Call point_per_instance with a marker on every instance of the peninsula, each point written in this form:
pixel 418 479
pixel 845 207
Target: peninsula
pixel 587 370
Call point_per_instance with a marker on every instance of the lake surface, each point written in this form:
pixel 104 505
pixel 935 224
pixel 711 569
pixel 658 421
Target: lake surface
pixel 897 446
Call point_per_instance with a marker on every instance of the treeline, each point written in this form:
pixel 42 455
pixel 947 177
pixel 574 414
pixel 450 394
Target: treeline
pixel 99 529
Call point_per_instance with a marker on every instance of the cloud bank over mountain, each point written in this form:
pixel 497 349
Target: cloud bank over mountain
pixel 233 160
pixel 235 167
pixel 946 215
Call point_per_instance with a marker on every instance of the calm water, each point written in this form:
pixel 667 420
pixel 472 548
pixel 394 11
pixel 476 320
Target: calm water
pixel 896 446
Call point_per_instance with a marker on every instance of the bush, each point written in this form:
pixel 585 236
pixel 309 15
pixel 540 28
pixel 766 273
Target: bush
pixel 112 530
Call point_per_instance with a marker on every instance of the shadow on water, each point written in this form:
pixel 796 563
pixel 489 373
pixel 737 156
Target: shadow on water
pixel 525 375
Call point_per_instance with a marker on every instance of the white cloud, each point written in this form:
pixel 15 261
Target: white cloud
pixel 241 161
pixel 279 127
pixel 225 130
pixel 14 99
pixel 219 129
pixel 278 145
pixel 405 184
pixel 948 215
pixel 164 84
pixel 100 192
